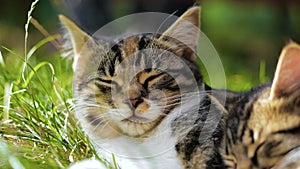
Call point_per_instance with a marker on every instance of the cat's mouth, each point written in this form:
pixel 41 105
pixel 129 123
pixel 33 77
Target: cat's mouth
pixel 136 119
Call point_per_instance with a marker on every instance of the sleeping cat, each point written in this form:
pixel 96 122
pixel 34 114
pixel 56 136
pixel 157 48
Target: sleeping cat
pixel 142 98
pixel 263 127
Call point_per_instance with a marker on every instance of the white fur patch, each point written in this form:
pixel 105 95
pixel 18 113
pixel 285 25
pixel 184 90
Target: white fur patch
pixel 157 151
pixel 88 164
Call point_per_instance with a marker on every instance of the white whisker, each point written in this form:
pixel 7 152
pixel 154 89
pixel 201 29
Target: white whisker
pixel 102 124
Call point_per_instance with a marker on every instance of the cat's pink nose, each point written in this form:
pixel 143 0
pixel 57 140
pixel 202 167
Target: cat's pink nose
pixel 135 102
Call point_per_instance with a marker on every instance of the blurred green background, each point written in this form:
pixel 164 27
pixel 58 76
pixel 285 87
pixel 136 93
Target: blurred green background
pixel 248 35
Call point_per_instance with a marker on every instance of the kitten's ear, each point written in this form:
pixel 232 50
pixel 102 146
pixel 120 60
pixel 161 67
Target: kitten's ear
pixel 78 37
pixel 287 76
pixel 186 29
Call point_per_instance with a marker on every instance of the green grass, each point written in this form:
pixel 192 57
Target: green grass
pixel 37 127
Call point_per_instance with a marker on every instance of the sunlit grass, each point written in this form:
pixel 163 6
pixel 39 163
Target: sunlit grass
pixel 37 127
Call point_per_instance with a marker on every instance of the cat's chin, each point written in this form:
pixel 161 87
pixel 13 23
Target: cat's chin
pixel 137 119
pixel 137 126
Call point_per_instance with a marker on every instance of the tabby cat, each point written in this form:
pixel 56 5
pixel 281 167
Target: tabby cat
pixel 263 127
pixel 141 98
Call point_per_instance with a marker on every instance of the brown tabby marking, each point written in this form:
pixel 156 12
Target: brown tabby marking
pixel 130 46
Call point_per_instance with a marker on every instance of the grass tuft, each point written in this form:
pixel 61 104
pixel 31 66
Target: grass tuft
pixel 37 127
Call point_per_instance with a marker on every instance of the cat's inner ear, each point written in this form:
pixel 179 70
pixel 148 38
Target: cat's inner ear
pixel 287 76
pixel 185 29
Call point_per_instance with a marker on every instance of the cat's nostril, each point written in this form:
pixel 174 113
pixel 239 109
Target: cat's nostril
pixel 135 102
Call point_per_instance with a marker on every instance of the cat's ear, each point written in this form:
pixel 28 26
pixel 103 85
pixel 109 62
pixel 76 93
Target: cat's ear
pixel 78 38
pixel 287 76
pixel 185 29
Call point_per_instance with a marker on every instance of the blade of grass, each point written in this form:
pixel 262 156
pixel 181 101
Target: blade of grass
pixel 262 72
pixel 114 162
pixel 1 60
pixel 6 102
pixel 12 52
pixel 36 68
pixel 56 42
pixel 32 7
pixel 40 44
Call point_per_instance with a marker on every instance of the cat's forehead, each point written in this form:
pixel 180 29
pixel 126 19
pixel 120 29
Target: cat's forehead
pixel 285 106
pixel 123 47
pixel 134 43
pixel 271 116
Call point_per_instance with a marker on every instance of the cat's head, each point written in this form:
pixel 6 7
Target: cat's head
pixel 264 124
pixel 130 85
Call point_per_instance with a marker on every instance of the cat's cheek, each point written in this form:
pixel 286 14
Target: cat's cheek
pixel 119 115
pixel 153 113
pixel 102 131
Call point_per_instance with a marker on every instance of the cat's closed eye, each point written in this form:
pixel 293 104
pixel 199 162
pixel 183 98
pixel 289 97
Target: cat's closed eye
pixel 163 81
pixel 230 161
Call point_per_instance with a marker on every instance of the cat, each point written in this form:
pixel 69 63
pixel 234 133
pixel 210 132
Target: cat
pixel 142 98
pixel 263 124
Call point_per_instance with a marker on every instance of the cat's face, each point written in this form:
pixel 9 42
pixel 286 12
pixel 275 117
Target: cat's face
pixel 264 124
pixel 129 86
